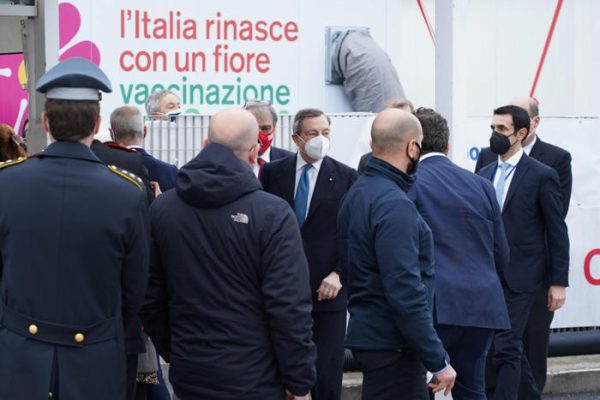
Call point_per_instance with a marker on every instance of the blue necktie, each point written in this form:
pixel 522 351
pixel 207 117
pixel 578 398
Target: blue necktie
pixel 301 200
pixel 501 182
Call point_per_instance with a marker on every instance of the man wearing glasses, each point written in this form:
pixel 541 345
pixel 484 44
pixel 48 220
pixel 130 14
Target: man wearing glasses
pixel 266 116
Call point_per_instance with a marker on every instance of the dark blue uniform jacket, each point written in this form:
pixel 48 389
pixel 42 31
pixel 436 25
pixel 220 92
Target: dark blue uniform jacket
pixel 74 266
pixel 388 250
pixel 229 300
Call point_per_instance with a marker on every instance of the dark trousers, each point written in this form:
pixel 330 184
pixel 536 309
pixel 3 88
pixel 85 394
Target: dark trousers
pixel 391 375
pixel 535 339
pixel 467 348
pixel 512 366
pixel 329 330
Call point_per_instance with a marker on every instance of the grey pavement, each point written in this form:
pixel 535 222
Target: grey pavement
pixel 569 378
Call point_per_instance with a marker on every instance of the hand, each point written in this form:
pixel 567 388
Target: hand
pixel 330 286
pixel 444 379
pixel 155 188
pixel 289 396
pixel 556 297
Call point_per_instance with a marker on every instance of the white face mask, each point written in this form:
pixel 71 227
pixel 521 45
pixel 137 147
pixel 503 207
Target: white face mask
pixel 317 147
pixel 173 114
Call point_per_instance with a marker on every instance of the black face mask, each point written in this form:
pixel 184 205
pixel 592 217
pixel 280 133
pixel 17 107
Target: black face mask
pixel 414 163
pixel 499 144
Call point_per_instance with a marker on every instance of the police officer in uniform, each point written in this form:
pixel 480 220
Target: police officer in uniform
pixel 73 253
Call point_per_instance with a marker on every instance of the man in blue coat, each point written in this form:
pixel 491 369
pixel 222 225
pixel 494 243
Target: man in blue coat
pixel 537 332
pixel 387 249
pixel 229 300
pixel 532 207
pixel 470 253
pixel 73 253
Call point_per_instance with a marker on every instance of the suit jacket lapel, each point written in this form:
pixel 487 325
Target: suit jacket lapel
pixel 324 186
pixel 488 171
pixel 537 150
pixel 286 179
pixel 520 172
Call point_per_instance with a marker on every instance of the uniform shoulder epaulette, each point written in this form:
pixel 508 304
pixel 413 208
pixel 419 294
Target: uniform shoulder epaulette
pixel 123 173
pixel 8 163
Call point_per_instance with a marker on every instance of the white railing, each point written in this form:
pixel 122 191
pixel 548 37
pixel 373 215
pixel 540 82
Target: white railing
pixel 179 141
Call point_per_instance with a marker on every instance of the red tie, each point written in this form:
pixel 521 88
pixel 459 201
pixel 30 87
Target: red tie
pixel 261 164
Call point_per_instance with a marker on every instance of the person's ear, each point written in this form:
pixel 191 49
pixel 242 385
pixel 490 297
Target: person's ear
pixel 522 134
pixel 145 131
pixel 97 126
pixel 46 126
pixel 253 156
pixel 112 134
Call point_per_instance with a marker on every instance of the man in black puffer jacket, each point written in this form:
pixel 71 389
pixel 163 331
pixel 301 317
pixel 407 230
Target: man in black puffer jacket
pixel 229 301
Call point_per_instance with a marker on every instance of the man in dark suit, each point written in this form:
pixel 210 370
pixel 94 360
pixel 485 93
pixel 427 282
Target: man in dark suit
pixel 127 128
pixel 405 105
pixel 65 303
pixel 112 153
pixel 470 253
pixel 537 332
pixel 314 185
pixel 266 117
pixel 532 210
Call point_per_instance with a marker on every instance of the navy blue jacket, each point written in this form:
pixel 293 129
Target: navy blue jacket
pixel 535 228
pixel 319 232
pixel 278 153
pixel 388 250
pixel 470 244
pixel 111 153
pixel 548 154
pixel 73 259
pixel 229 299
pixel 158 170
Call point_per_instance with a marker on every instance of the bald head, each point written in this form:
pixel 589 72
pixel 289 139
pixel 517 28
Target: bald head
pixel 236 129
pixel 530 105
pixel 392 129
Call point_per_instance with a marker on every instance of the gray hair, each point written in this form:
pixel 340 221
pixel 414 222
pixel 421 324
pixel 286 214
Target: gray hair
pixel 127 123
pixel 307 113
pixel 153 102
pixel 259 107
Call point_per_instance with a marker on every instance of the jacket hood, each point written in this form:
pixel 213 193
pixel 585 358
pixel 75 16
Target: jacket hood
pixel 215 177
pixel 377 166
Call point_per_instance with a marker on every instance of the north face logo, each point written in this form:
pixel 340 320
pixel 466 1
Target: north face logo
pixel 240 218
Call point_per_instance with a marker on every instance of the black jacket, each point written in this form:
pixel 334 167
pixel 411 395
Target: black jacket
pixel 111 153
pixel 548 154
pixel 319 232
pixel 229 298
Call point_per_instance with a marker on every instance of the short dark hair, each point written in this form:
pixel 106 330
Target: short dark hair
pixel 435 130
pixel 306 113
pixel 71 121
pixel 520 117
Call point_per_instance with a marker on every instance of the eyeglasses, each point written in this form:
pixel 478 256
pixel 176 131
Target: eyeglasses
pixel 256 103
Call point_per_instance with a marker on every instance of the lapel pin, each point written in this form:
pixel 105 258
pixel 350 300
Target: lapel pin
pixel 330 179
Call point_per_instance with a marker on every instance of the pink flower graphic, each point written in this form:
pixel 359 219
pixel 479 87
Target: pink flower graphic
pixel 69 22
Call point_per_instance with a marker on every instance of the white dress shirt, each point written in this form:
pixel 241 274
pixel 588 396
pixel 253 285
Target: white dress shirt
pixel 432 154
pixel 512 161
pixel 265 156
pixel 312 177
pixel 527 149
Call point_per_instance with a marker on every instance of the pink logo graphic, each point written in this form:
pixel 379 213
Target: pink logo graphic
pixel 13 82
pixel 69 22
